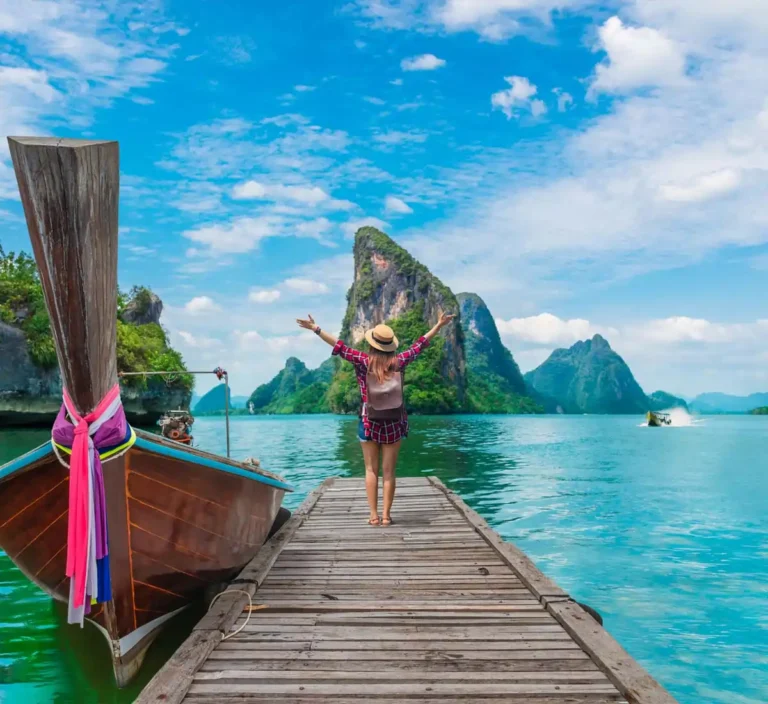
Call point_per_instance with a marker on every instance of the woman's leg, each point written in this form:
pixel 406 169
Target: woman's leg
pixel 371 456
pixel 388 464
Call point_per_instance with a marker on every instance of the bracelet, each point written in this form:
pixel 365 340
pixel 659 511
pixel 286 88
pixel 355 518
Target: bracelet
pixel 317 330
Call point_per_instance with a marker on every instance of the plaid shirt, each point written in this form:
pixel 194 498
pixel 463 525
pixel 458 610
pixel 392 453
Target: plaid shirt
pixel 380 431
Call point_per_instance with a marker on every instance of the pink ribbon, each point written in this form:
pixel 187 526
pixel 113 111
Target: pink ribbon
pixel 79 528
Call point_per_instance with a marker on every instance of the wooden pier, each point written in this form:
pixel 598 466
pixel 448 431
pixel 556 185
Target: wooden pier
pixel 435 608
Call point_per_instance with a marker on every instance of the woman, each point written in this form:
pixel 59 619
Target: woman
pixel 380 439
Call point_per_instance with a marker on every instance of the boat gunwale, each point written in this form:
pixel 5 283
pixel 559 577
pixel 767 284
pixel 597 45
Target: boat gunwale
pixel 143 442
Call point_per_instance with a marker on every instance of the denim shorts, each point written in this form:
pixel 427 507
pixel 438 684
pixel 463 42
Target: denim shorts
pixel 361 432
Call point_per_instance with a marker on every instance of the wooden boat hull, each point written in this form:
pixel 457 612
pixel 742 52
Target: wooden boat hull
pixel 180 522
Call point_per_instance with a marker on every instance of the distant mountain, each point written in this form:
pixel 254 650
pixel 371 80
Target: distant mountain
pixel 494 381
pixel 238 401
pixel 589 377
pixel 295 389
pixel 213 401
pixel 725 403
pixel 661 401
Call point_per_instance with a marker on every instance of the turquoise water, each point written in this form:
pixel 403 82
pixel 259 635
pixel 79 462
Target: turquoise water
pixel 664 531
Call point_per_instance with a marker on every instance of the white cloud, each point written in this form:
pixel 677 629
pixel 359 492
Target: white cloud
pixel 680 329
pixel 264 296
pixel 517 98
pixel 33 82
pixel 248 338
pixel 424 62
pixel 351 227
pixel 493 20
pixel 286 119
pixel 359 44
pixel 201 305
pixel 395 205
pixel 397 82
pixel 202 343
pixel 236 236
pixel 234 50
pixel 304 89
pixel 61 61
pixel 564 99
pixel 546 329
pixel 306 286
pixel 373 100
pixel 703 188
pixel 638 57
pixel 393 137
pixel 253 190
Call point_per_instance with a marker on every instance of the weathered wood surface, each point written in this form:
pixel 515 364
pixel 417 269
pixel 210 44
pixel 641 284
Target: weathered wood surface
pixel 172 682
pixel 69 190
pixel 434 608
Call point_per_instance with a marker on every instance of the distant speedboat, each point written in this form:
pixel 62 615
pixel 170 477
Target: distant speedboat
pixel 657 419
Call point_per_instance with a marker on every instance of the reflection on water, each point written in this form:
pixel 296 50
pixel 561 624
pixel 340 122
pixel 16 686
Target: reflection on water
pixel 662 530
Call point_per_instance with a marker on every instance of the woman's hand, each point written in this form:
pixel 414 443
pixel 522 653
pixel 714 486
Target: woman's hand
pixel 309 324
pixel 445 319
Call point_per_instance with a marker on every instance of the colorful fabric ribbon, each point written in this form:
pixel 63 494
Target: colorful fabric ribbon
pixel 103 433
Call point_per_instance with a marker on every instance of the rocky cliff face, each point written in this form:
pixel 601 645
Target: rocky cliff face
pixel 391 287
pixel 144 308
pixel 495 384
pixel 589 377
pixel 27 392
pixel 30 394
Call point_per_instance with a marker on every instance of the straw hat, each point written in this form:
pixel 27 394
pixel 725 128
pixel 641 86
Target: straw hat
pixel 382 338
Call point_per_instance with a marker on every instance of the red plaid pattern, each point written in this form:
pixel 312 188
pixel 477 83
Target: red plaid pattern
pixel 384 432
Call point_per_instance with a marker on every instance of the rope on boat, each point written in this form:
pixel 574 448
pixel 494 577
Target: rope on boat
pixel 247 618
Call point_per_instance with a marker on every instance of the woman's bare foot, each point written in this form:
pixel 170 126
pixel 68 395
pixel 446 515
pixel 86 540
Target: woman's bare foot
pixel 386 521
pixel 374 521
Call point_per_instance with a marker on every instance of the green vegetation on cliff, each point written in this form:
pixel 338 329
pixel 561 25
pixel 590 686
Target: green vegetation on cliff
pixel 661 401
pixel 139 347
pixel 387 280
pixel 494 381
pixel 295 389
pixel 22 304
pixel 589 377
pixel 762 411
pixel 425 389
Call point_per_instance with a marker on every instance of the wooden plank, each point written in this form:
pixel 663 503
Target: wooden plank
pixel 172 682
pixel 526 641
pixel 384 675
pixel 260 699
pixel 364 689
pixel 454 656
pixel 433 664
pixel 513 556
pixel 630 679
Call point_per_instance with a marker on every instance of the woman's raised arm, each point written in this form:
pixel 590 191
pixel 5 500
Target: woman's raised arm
pixel 310 324
pixel 444 319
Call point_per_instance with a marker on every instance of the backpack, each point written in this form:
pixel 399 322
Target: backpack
pixel 385 398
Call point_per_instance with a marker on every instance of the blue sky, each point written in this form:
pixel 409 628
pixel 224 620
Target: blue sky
pixel 583 166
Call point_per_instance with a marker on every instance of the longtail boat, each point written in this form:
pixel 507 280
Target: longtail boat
pixel 657 419
pixel 175 521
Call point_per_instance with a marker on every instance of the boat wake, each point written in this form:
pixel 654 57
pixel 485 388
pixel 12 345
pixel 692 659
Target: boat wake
pixel 680 418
